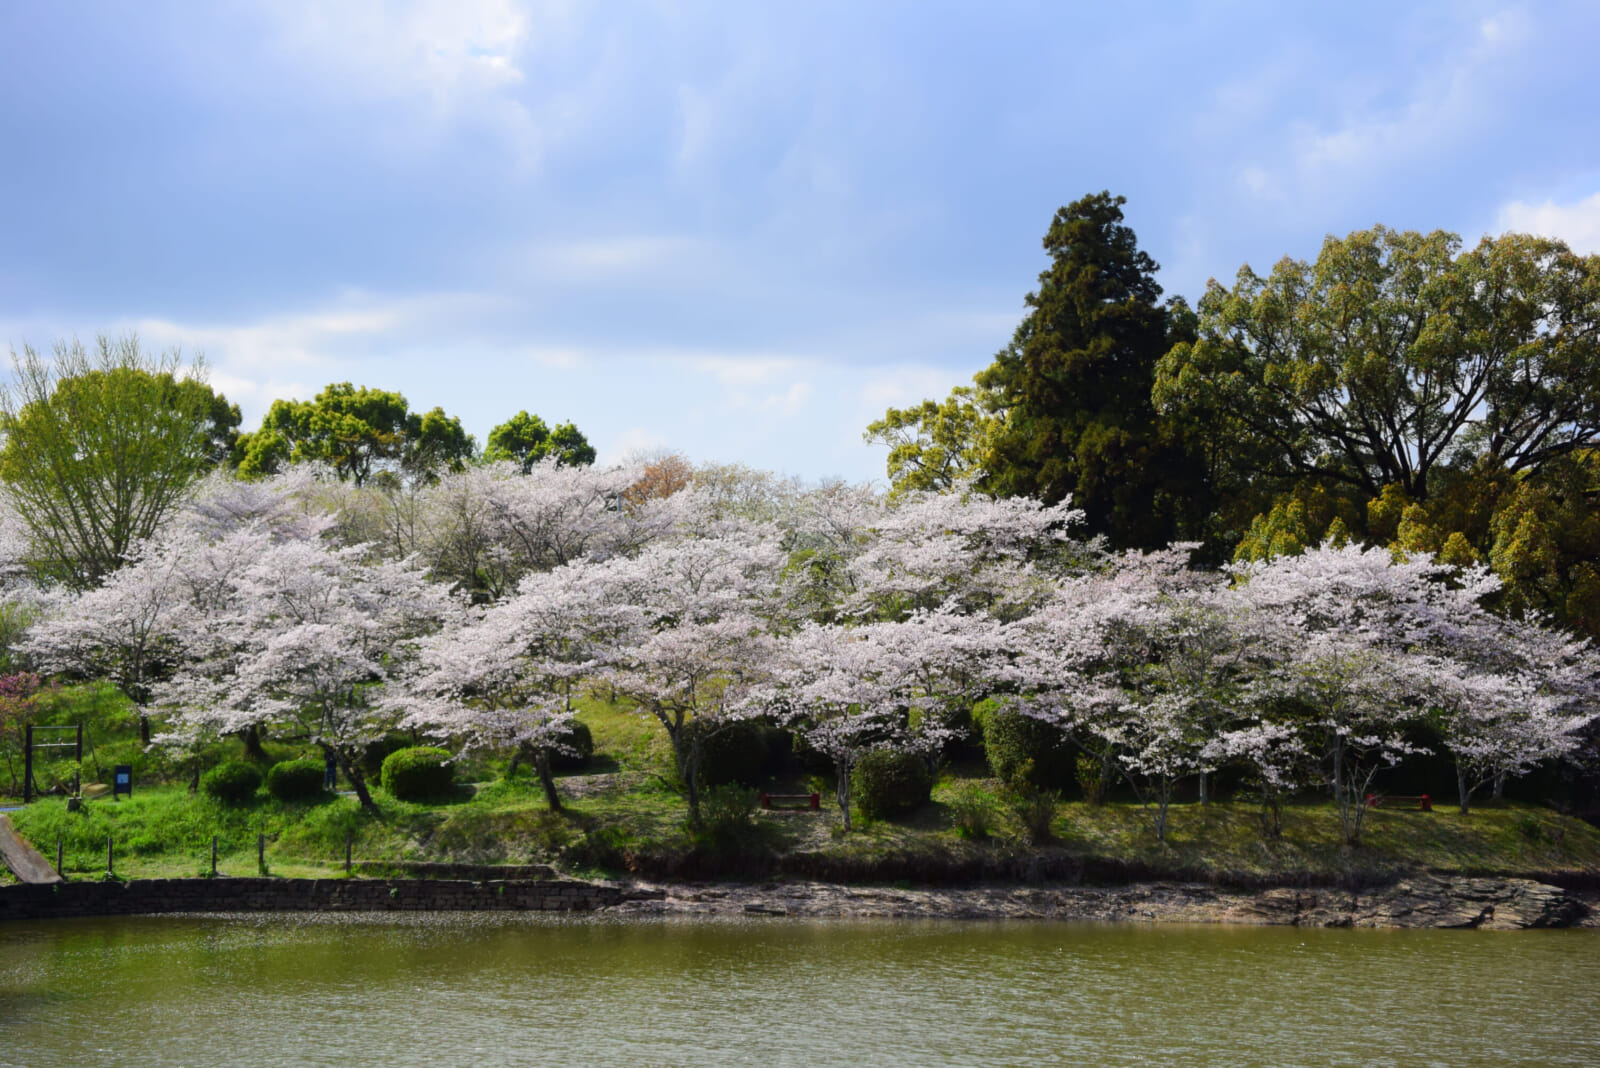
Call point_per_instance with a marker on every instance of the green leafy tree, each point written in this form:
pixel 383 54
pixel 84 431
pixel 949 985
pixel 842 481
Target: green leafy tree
pixel 526 440
pixel 1418 397
pixel 934 445
pixel 1544 542
pixel 358 431
pixel 1391 359
pixel 99 448
pixel 1074 387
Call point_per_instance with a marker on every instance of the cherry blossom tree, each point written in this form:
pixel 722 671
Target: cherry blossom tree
pixel 505 677
pixel 988 555
pixel 707 608
pixel 123 630
pixel 1345 630
pixel 1510 694
pixel 310 634
pixel 848 692
pixel 1274 757
pixel 486 527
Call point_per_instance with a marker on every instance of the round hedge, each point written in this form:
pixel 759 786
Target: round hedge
pixel 377 751
pixel 232 782
pixel 296 780
pixel 1011 740
pixel 580 738
pixel 887 783
pixel 418 773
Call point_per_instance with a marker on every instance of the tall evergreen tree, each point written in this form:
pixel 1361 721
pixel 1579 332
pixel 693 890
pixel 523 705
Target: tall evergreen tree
pixel 1074 386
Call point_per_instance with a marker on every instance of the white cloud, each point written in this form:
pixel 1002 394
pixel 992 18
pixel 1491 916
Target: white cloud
pixel 444 63
pixel 448 50
pixel 248 361
pixel 735 371
pixel 257 394
pixel 557 359
pixel 609 256
pixel 791 401
pixel 635 441
pixel 1578 224
pixel 1363 126
pixel 317 337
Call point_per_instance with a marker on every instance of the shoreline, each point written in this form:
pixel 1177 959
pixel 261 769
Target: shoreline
pixel 1424 901
pixel 1417 901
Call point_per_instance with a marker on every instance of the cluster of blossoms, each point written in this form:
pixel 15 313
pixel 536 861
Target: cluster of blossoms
pixel 475 607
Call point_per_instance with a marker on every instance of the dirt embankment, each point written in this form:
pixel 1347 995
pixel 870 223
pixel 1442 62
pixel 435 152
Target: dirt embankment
pixel 1422 901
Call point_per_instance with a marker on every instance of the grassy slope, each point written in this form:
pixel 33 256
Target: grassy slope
pixel 622 806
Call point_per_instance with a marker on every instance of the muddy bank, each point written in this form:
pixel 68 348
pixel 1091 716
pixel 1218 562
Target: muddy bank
pixel 1422 901
pixel 1491 903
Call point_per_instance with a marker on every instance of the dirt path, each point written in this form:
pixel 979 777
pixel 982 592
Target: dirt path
pixel 25 862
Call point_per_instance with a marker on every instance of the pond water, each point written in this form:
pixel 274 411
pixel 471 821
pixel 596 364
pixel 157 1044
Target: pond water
pixel 483 989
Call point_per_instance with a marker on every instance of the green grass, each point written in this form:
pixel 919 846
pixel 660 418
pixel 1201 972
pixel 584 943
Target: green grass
pixel 623 807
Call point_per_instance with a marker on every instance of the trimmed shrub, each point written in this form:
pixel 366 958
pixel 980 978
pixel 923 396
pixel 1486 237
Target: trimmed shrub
pixel 296 780
pixel 376 752
pixel 418 773
pixel 1091 772
pixel 734 753
pixel 886 783
pixel 727 818
pixel 1012 740
pixel 580 738
pixel 972 811
pixel 1033 807
pixel 232 782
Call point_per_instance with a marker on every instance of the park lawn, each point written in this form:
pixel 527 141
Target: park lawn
pixel 622 813
pixel 165 832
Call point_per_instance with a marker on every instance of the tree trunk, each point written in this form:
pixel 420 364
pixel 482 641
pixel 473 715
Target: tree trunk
pixel 841 790
pixel 1461 787
pixel 1162 799
pixel 1205 795
pixel 541 763
pixel 1499 786
pixel 251 737
pixel 1271 814
pixel 352 771
pixel 1103 790
pixel 144 729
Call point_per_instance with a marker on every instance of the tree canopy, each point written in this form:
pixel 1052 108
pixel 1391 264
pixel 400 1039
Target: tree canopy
pixel 525 440
pixel 1392 357
pixel 1065 409
pixel 358 431
pixel 934 445
pixel 99 448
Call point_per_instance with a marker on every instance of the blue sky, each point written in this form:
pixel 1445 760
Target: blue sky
pixel 739 230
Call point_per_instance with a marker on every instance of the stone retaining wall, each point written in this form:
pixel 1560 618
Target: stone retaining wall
pixel 224 894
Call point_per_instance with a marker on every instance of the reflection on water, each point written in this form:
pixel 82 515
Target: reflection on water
pixel 462 988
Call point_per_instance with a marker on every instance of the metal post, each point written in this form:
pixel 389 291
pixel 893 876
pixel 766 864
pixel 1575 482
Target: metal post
pixel 77 772
pixel 27 766
pixel 348 839
pixel 213 854
pixel 59 870
pixel 110 871
pixel 261 853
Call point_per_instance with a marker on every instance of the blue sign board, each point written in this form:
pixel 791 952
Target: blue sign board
pixel 122 780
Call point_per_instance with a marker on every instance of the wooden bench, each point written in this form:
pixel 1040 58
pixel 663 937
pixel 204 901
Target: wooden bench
pixel 1423 802
pixel 792 801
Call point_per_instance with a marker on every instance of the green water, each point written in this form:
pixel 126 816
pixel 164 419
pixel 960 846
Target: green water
pixel 475 989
